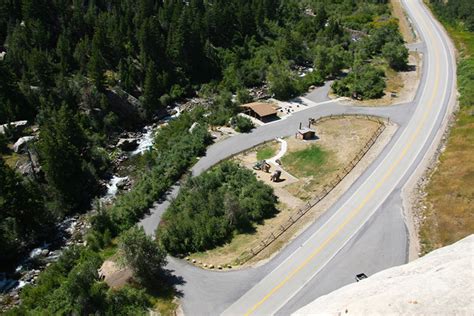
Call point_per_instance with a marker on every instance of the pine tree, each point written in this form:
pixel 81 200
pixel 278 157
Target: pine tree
pixel 126 76
pixel 152 93
pixel 64 150
pixel 96 66
pixel 63 51
pixel 13 104
pixel 23 217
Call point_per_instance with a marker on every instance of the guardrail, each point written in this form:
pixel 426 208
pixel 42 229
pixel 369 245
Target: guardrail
pixel 264 243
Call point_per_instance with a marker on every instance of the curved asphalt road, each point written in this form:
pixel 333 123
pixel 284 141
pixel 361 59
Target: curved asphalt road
pixel 363 232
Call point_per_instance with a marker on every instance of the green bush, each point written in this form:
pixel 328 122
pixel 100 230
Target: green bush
pixel 364 82
pixel 177 92
pixel 455 12
pixel 242 124
pixel 311 79
pixel 223 110
pixel 466 81
pixel 143 255
pixel 396 55
pixel 282 82
pixel 165 100
pixel 212 206
pixel 243 96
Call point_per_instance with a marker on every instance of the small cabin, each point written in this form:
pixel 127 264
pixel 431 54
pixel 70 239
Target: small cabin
pixel 306 133
pixel 265 112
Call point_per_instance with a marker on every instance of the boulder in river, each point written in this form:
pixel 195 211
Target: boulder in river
pixel 127 144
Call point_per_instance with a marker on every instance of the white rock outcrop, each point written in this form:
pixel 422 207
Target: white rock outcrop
pixel 440 283
pixel 16 127
pixel 21 143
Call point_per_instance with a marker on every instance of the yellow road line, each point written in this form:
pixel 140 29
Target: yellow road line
pixel 364 202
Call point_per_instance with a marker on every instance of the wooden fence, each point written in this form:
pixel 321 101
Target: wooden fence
pixel 264 243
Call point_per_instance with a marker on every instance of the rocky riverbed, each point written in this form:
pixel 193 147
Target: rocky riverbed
pixel 71 231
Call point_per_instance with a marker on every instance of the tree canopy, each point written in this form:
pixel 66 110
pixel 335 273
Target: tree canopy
pixel 23 218
pixel 212 206
pixel 143 255
pixel 456 11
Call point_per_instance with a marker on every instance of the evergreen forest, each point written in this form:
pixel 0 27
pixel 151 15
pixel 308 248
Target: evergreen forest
pixel 82 72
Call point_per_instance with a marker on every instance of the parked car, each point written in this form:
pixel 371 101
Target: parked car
pixel 360 277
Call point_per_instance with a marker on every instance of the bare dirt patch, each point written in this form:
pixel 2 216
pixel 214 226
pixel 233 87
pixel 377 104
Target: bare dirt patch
pixel 342 138
pixel 405 26
pixel 221 133
pixel 114 275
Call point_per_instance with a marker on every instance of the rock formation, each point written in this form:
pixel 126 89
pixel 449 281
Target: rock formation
pixel 440 283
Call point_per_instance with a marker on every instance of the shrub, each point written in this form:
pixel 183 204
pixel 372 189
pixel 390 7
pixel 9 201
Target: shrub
pixel 165 100
pixel 396 55
pixel 177 92
pixel 242 124
pixel 311 79
pixel 212 206
pixel 282 82
pixel 223 109
pixel 365 82
pixel 142 255
pixel 243 96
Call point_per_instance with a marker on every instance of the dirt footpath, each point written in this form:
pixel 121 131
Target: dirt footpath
pixel 343 138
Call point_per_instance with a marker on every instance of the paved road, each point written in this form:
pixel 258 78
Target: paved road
pixel 363 231
pixel 282 128
pixel 282 284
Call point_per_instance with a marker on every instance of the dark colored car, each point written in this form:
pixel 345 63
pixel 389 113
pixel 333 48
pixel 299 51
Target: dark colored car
pixel 360 276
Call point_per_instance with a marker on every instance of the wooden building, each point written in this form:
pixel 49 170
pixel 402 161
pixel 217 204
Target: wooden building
pixel 306 133
pixel 265 112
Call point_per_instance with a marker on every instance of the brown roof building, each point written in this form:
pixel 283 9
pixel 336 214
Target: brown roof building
pixel 262 111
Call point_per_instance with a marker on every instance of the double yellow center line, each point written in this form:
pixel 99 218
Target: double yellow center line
pixel 367 198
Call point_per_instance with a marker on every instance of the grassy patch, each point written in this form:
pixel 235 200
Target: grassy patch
pixel 109 251
pixel 394 80
pixel 306 162
pixel 165 301
pixel 315 166
pixel 450 213
pixel 12 159
pixel 266 151
pixel 242 242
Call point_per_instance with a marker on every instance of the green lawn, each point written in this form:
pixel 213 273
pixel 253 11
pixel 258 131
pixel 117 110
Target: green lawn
pixel 267 151
pixel 306 162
